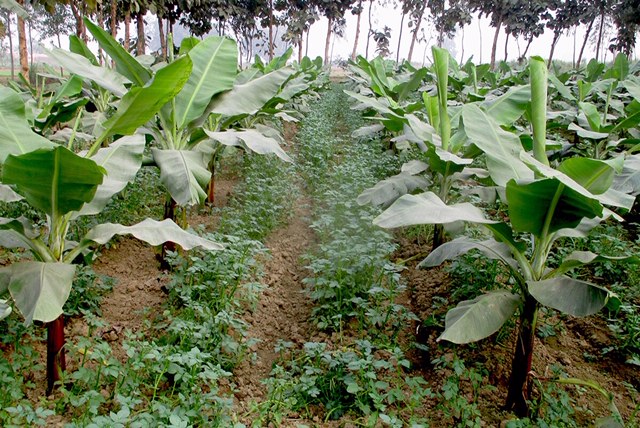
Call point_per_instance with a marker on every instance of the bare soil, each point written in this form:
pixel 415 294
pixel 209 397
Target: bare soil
pixel 283 311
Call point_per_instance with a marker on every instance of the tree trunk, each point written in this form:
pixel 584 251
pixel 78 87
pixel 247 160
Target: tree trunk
pixel 480 37
pixel 327 42
pixel 462 46
pixel 600 35
pixel 495 43
pixel 30 44
pixel 556 36
pixel 56 361
pixel 300 49
pixel 270 30
pixel 584 43
pixel 78 16
pixel 524 55
pixel 114 18
pixel 163 39
pixel 306 43
pixel 506 47
pixel 414 36
pixel 355 43
pixel 22 46
pixel 366 53
pixel 519 384
pixel 13 66
pixel 140 45
pixel 127 21
pixel 100 23
pixel 400 37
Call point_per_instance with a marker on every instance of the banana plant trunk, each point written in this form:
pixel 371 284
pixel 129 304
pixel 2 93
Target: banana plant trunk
pixel 211 189
pixel 438 236
pixel 170 207
pixel 519 383
pixel 56 361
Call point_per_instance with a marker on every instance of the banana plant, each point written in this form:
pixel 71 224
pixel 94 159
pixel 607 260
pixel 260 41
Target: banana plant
pixel 443 141
pixel 181 149
pixel 544 204
pixel 65 185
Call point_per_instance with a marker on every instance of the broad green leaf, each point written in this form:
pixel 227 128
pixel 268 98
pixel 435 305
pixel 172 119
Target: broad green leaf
pixel 102 76
pixel 214 70
pixel 8 195
pixel 5 309
pixel 414 167
pixel 250 97
pixel 423 131
pixel 628 181
pixel 508 108
pixel 20 225
pixel 473 320
pixel 380 105
pixel 501 147
pixel 251 140
pixel 592 115
pixel 40 289
pixel 187 44
pixel 491 248
pixel 78 46
pixel 568 295
pixel 610 197
pixel 55 181
pixel 531 206
pixel 293 87
pixel 71 87
pixel 444 162
pixel 633 87
pixel 620 68
pixel 562 89
pixel 152 232
pixel 140 105
pixel 594 175
pixel 581 258
pixel 630 121
pixel 427 208
pixel 16 136
pixel 121 160
pixel 184 173
pixel 367 131
pixel 410 86
pixel 390 189
pixel 125 63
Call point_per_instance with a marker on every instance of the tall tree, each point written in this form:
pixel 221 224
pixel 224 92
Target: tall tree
pixel 22 44
pixel 358 12
pixel 416 22
pixel 448 16
pixel 498 11
pixel 568 14
pixel 626 17
pixel 56 24
pixel 334 11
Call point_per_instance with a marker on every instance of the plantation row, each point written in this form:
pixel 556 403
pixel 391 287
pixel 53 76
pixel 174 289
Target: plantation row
pixel 518 177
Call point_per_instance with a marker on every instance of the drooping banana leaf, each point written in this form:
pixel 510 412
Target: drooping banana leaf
pixel 473 320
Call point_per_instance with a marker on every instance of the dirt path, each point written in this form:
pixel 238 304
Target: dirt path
pixel 283 311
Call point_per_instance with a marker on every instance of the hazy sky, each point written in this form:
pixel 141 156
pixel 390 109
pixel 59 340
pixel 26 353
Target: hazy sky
pixel 478 33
